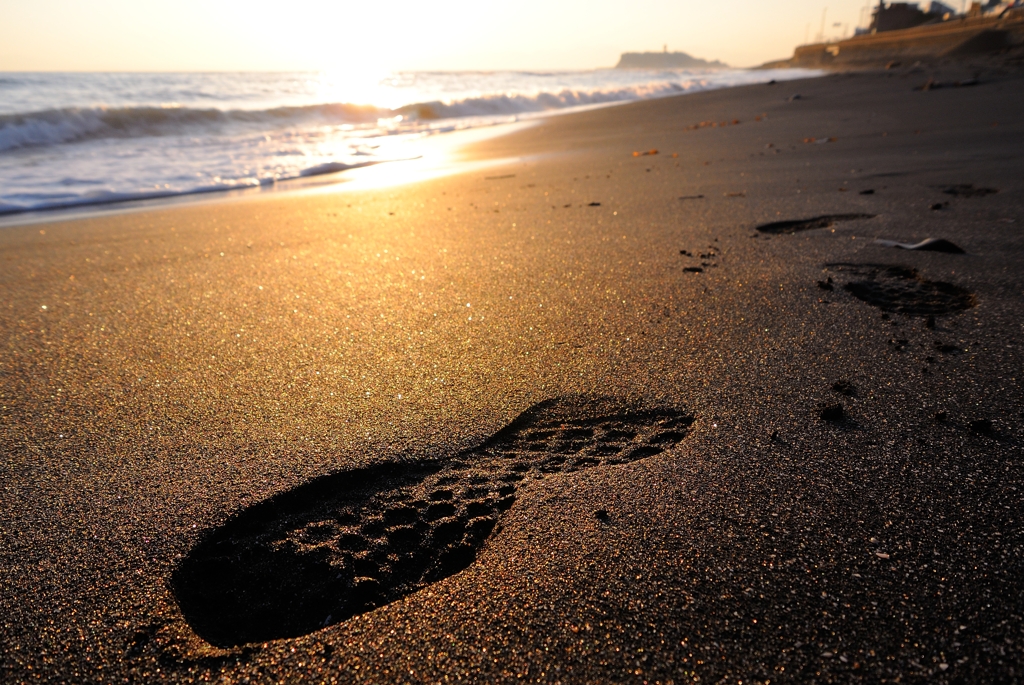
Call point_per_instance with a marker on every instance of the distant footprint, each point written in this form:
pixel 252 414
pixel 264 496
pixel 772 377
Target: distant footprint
pixel 967 190
pixel 346 543
pixel 791 226
pixel 902 289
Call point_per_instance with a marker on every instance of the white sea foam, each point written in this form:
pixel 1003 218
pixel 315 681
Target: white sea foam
pixel 73 139
pixel 71 125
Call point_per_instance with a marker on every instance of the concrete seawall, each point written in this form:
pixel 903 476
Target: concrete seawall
pixel 950 39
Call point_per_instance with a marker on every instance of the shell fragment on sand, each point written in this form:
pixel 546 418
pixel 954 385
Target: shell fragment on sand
pixel 927 245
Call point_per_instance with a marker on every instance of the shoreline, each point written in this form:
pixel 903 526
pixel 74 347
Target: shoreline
pixel 10 214
pixel 805 465
pixel 440 153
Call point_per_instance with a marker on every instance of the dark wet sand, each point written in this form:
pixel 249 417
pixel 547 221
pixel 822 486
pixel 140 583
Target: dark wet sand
pixel 193 361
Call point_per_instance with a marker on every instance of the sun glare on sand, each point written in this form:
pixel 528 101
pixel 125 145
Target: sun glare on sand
pixel 429 157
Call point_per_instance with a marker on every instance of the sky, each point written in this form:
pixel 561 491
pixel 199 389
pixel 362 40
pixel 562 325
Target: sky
pixel 254 35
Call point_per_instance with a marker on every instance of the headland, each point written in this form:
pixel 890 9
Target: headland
pixel 665 60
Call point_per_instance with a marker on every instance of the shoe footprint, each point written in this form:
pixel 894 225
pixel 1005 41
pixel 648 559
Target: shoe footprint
pixel 903 290
pixel 349 542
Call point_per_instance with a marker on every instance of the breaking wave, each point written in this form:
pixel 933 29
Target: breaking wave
pixel 74 124
pixel 493 105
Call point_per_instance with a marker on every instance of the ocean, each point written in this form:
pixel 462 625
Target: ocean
pixel 73 139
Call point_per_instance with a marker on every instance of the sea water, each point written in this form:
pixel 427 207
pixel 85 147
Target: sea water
pixel 72 139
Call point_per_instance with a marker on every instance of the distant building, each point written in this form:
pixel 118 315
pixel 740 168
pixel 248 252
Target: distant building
pixel 991 8
pixel 896 16
pixel 939 9
pixel 997 7
pixel 905 15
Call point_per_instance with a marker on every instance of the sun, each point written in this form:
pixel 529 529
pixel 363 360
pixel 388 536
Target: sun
pixel 356 87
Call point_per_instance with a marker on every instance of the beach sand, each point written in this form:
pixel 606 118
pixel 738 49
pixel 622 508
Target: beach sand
pixel 740 454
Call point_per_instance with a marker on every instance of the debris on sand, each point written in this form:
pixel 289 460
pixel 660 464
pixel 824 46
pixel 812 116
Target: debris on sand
pixel 844 387
pixel 832 413
pixel 932 84
pixel 982 426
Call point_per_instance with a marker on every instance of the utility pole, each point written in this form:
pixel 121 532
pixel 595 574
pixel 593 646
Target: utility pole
pixel 821 34
pixel 878 15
